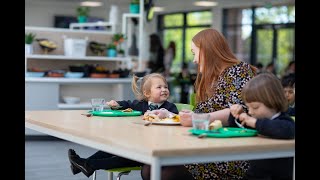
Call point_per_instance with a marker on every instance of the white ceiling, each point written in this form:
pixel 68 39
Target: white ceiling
pixel 172 5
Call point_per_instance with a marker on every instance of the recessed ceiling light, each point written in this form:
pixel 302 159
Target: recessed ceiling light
pixel 158 9
pixel 205 3
pixel 91 3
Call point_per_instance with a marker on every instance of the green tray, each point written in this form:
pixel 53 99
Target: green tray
pixel 226 132
pixel 115 113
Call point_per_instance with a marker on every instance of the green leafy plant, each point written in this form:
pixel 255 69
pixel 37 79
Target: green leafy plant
pixel 29 38
pixel 111 46
pixel 83 11
pixel 121 51
pixel 135 2
pixel 118 38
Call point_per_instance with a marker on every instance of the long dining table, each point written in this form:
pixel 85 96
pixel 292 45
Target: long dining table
pixel 156 145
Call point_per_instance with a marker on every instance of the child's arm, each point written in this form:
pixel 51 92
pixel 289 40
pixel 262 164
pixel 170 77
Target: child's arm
pixel 282 127
pixel 112 103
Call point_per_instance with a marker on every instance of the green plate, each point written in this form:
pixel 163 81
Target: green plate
pixel 226 132
pixel 115 113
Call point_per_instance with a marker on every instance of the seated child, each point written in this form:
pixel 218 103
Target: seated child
pixel 152 94
pixel 288 83
pixel 267 106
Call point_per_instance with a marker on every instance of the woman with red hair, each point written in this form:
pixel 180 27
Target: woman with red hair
pixel 220 79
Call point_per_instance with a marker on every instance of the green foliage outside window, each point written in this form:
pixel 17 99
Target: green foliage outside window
pixel 174 26
pixel 173 20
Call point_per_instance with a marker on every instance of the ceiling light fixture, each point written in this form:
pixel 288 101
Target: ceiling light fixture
pixel 205 3
pixel 91 3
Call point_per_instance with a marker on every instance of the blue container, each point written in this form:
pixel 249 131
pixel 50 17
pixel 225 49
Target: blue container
pixel 134 8
pixel 112 53
pixel 74 75
pixel 82 19
pixel 34 74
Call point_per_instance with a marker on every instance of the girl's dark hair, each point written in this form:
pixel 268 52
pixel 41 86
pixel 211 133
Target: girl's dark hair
pixel 144 85
pixel 265 88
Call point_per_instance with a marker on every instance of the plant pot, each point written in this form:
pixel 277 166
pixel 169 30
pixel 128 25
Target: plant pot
pixel 82 19
pixel 134 8
pixel 112 53
pixel 28 48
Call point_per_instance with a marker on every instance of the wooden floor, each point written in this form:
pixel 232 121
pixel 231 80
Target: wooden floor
pixel 48 160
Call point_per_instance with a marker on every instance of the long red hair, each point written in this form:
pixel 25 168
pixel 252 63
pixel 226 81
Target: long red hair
pixel 215 55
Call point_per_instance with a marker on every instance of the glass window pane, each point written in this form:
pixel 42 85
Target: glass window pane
pixel 190 32
pixel 172 20
pixel 199 18
pixel 264 46
pixel 176 36
pixel 285 49
pixel 239 39
pixel 246 16
pixel 276 15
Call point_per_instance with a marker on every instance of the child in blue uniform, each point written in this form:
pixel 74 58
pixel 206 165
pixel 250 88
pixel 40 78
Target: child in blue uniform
pixel 152 94
pixel 267 106
pixel 288 83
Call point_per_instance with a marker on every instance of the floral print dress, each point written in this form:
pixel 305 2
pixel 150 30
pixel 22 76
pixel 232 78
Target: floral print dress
pixel 228 92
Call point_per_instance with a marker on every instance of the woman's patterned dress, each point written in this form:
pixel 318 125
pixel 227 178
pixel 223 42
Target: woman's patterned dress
pixel 228 92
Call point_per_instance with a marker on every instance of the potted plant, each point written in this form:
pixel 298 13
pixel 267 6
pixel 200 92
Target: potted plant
pixel 111 50
pixel 29 38
pixel 134 6
pixel 120 53
pixel 82 13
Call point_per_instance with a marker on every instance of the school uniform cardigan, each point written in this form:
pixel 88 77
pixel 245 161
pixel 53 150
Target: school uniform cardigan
pixel 143 106
pixel 281 127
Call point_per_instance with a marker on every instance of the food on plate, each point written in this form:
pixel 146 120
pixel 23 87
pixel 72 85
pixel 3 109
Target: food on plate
pixel 149 116
pixel 215 125
pixel 127 110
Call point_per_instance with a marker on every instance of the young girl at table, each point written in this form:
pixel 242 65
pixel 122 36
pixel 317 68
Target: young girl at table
pixel 152 94
pixel 267 105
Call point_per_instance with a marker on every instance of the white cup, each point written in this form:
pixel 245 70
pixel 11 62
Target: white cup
pixel 200 121
pixel 97 104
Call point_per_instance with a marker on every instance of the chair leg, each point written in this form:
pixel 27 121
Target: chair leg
pixel 122 173
pixel 94 175
pixel 110 175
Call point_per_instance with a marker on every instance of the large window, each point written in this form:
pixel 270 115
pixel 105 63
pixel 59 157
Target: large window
pixel 262 35
pixel 180 28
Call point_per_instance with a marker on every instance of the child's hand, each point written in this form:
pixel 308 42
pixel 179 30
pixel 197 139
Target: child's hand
pixel 236 110
pixel 112 103
pixel 247 120
pixel 161 113
pixel 186 118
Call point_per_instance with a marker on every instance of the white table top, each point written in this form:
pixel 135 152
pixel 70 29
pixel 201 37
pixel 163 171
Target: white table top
pixel 154 144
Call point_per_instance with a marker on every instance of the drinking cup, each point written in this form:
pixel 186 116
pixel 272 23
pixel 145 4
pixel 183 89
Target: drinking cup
pixel 97 104
pixel 200 121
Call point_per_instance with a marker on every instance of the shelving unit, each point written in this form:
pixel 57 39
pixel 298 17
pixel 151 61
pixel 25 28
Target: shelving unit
pixel 94 24
pixel 127 31
pixel 125 60
pixel 45 93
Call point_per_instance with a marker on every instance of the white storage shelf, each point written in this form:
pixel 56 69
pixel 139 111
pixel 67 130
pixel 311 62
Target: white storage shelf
pixel 79 80
pixel 85 58
pixel 126 60
pixel 74 106
pixel 112 26
pixel 45 93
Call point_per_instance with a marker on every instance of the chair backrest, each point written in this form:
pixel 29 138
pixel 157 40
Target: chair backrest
pixel 193 99
pixel 181 106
